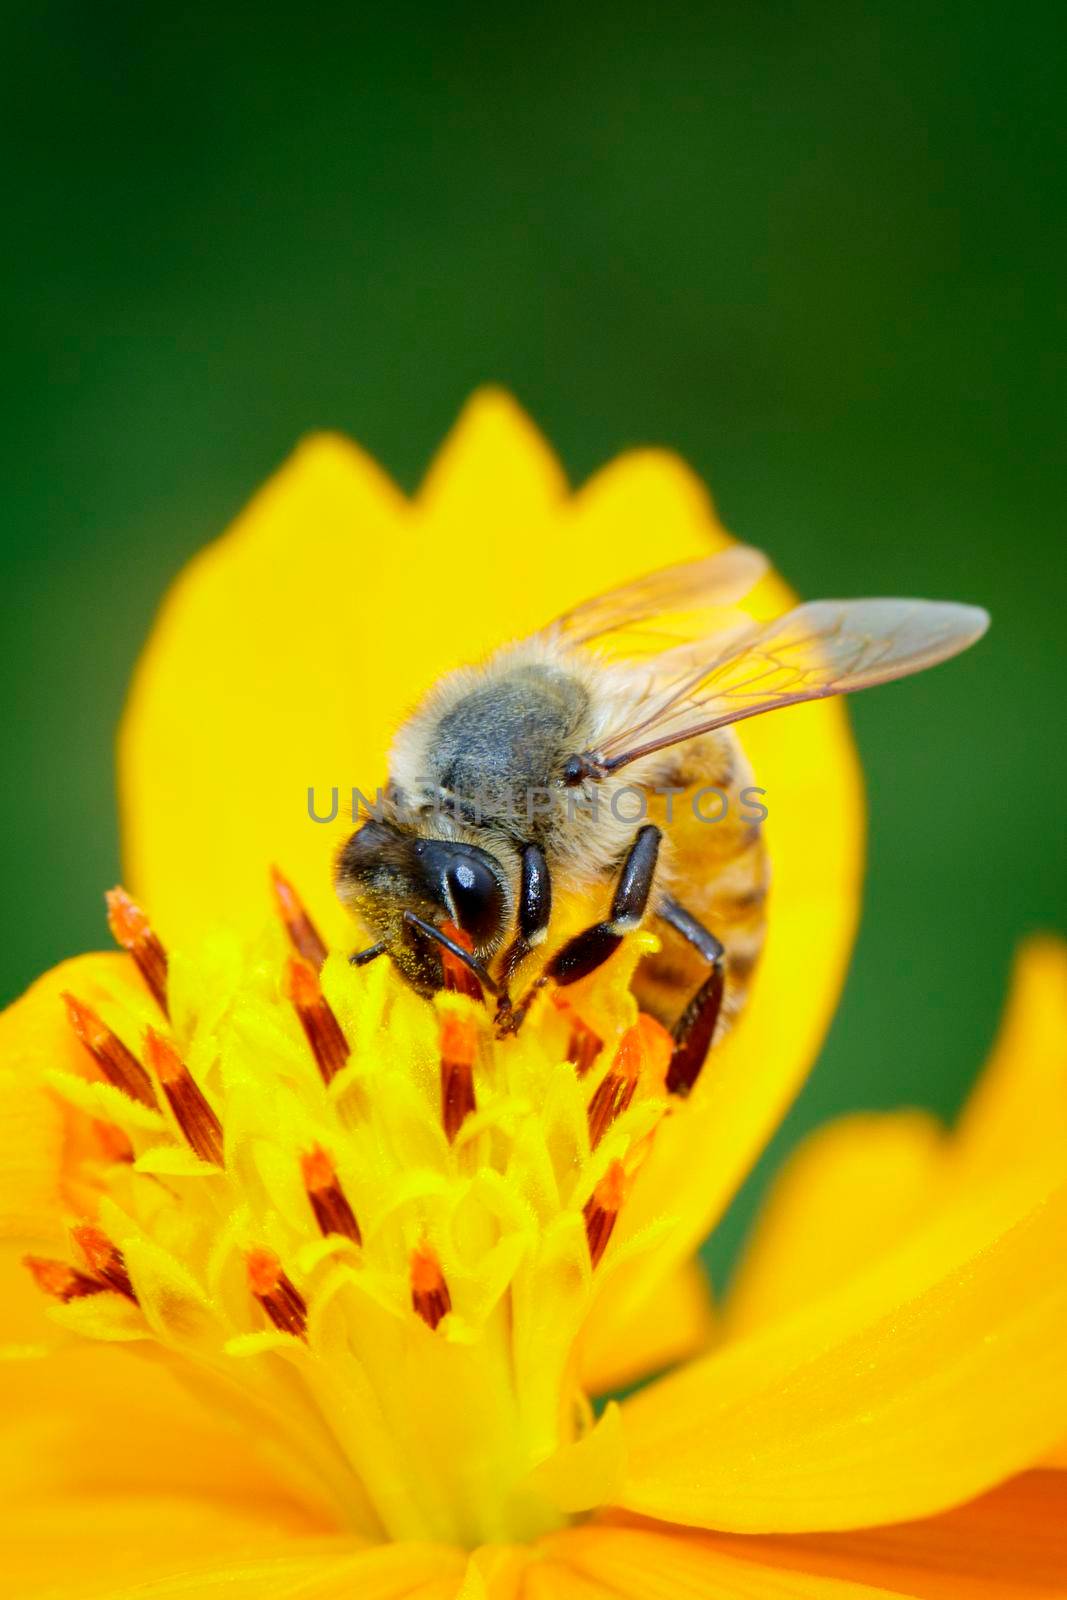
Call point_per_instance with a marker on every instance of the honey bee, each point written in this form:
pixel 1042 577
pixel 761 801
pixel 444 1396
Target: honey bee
pixel 517 778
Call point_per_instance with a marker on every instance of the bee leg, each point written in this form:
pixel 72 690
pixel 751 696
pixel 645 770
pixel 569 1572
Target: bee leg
pixel 695 1028
pixel 589 949
pixel 535 908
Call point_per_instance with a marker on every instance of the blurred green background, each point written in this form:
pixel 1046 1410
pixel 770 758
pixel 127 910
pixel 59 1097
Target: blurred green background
pixel 818 249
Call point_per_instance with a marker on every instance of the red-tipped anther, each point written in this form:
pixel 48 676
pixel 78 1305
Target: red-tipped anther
pixel 118 1064
pixel 644 1052
pixel 328 1200
pixel 276 1292
pixel 132 930
pixel 602 1208
pixel 104 1259
pixel 429 1291
pixel 584 1045
pixel 303 934
pixel 61 1280
pixel 459 1047
pixel 458 978
pixel 199 1124
pixel 615 1090
pixel 328 1044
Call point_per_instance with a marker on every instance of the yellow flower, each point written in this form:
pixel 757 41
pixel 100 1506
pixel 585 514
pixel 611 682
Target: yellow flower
pixel 377 1260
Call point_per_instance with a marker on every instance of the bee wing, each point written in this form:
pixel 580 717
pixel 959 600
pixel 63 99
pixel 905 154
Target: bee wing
pixel 824 648
pixel 718 580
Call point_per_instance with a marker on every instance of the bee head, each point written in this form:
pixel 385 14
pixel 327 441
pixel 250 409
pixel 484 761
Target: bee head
pixel 384 872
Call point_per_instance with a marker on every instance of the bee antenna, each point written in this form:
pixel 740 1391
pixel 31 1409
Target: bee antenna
pixel 470 962
pixel 363 958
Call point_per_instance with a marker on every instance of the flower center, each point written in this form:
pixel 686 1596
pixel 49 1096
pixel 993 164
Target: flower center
pixel 360 1221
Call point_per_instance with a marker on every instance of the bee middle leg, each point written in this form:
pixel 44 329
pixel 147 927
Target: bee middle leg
pixel 589 949
pixel 695 1028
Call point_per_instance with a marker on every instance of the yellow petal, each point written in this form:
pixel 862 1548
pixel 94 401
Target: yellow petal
pixel 264 675
pixel 151 1547
pixel 846 1195
pixel 1008 1545
pixel 494 1572
pixel 112 1475
pixel 670 1326
pixel 37 1136
pixel 634 1562
pixel 855 1187
pixel 923 1381
pixel 1018 1109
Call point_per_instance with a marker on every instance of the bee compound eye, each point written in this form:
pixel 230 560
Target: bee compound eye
pixel 477 895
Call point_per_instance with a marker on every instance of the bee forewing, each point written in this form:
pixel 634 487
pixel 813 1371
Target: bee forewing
pixel 826 647
pixel 718 580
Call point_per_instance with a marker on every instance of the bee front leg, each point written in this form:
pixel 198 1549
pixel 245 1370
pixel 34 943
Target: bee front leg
pixel 695 1028
pixel 589 949
pixel 535 909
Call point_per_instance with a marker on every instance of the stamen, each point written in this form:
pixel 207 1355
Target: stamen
pixel 644 1052
pixel 429 1291
pixel 602 1208
pixel 328 1043
pixel 458 978
pixel 60 1280
pixel 276 1292
pixel 105 1260
pixel 584 1045
pixel 459 1047
pixel 617 1087
pixel 328 1200
pixel 303 934
pixel 132 930
pixel 193 1114
pixel 118 1064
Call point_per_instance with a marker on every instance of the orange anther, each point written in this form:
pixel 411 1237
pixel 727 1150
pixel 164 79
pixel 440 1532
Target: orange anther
pixel 459 1047
pixel 118 1064
pixel 302 984
pixel 125 918
pixel 602 1209
pixel 328 1200
pixel 60 1280
pixel 276 1292
pixel 132 930
pixel 611 1191
pixel 317 1169
pixel 459 1039
pixel 192 1111
pixel 429 1291
pixel 322 1029
pixel 264 1271
pixel 459 979
pixel 303 934
pixel 162 1057
pixel 104 1259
